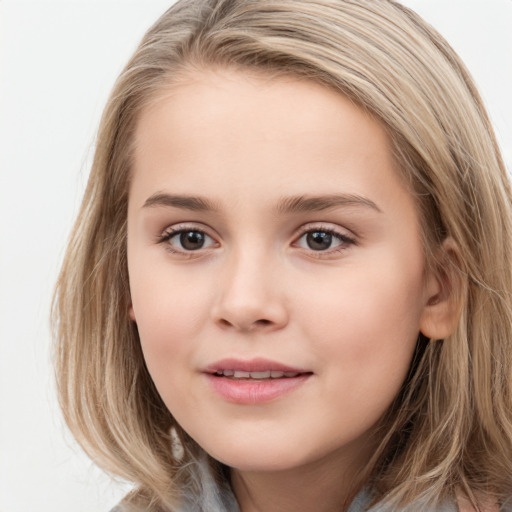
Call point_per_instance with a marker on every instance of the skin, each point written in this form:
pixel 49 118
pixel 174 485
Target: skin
pixel 350 314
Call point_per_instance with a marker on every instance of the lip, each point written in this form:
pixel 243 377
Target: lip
pixel 253 391
pixel 252 365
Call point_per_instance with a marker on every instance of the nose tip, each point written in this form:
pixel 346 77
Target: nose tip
pixel 248 302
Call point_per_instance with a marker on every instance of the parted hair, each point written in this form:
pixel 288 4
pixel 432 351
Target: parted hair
pixel 449 431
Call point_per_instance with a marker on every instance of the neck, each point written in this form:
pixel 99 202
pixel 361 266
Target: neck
pixel 315 487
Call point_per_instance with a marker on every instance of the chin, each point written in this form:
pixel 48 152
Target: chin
pixel 258 464
pixel 259 457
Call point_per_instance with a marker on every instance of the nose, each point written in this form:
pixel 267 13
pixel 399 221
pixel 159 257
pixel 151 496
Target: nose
pixel 251 297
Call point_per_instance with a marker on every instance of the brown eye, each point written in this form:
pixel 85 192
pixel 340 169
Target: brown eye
pixel 319 240
pixel 192 240
pixel 186 240
pixel 324 240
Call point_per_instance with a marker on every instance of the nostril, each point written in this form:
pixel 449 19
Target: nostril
pixel 263 321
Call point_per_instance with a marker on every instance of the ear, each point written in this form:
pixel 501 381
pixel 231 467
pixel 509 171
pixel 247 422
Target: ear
pixel 443 293
pixel 131 313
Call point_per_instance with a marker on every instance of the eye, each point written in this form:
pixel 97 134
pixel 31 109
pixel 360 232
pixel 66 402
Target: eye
pixel 186 239
pixel 322 240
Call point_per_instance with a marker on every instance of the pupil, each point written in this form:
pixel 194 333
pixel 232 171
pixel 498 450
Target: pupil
pixel 319 240
pixel 192 240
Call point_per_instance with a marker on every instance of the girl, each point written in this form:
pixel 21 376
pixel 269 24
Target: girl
pixel 289 285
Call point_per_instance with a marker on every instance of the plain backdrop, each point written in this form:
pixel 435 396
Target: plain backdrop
pixel 59 60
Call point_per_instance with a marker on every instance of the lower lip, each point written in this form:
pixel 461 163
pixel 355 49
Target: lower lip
pixel 255 391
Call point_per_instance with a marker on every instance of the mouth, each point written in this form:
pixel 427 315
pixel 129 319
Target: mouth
pixel 254 369
pixel 255 381
pixel 265 375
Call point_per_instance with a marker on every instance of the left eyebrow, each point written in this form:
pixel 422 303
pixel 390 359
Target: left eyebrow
pixel 297 204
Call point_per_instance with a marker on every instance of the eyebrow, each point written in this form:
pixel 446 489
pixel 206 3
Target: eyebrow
pixel 294 204
pixel 193 203
pixel 325 202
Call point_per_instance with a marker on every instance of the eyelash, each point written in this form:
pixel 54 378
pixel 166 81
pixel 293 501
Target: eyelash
pixel 172 232
pixel 345 240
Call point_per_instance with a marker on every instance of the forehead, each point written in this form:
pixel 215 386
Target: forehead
pixel 263 101
pixel 220 124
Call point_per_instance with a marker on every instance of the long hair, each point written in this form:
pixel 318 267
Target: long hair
pixel 450 428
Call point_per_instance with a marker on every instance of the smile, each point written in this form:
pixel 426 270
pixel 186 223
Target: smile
pixel 269 374
pixel 255 381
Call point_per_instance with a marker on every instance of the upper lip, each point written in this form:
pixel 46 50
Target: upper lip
pixel 251 365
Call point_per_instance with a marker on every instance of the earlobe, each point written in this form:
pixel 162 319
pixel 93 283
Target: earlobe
pixel 444 293
pixel 131 313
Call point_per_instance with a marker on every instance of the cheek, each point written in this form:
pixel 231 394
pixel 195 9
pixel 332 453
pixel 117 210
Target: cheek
pixel 367 320
pixel 169 312
pixel 167 323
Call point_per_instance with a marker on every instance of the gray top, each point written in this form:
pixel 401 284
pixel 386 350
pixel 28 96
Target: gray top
pixel 228 503
pixel 221 499
pixel 209 496
pixel 214 498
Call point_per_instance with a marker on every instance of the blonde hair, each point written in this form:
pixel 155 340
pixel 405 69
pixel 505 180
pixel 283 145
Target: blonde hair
pixel 450 428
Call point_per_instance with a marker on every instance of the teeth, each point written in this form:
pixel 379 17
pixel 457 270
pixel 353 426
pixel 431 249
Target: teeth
pixel 238 374
pixel 260 375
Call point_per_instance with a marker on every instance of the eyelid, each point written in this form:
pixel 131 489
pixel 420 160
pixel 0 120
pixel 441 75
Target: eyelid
pixel 175 229
pixel 347 238
pixel 326 226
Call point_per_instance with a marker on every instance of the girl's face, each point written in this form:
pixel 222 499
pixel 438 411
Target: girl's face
pixel 276 270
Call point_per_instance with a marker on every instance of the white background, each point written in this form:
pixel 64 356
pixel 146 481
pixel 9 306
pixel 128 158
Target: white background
pixel 59 60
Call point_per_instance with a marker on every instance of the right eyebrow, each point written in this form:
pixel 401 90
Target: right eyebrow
pixel 194 203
